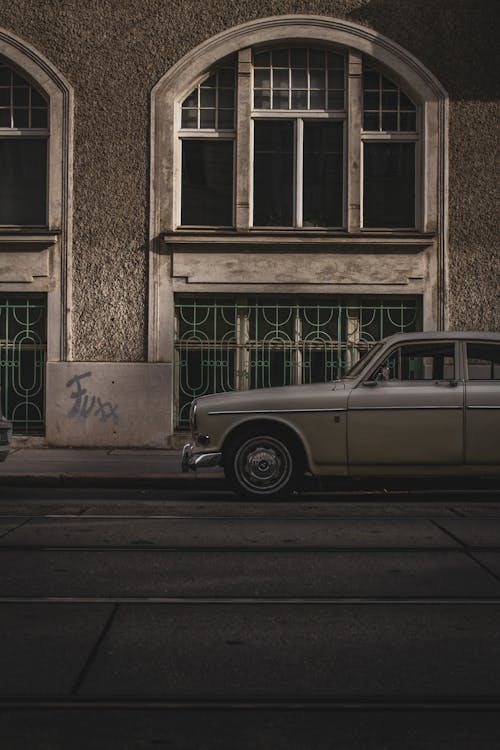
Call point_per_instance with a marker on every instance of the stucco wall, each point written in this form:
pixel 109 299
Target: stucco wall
pixel 113 52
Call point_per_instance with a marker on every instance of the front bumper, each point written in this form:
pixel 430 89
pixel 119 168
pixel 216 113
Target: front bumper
pixel 192 460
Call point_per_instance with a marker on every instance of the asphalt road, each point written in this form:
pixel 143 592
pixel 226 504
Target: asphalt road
pixel 143 619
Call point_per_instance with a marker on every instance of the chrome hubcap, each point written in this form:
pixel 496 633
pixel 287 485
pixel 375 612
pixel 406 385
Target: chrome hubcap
pixel 263 464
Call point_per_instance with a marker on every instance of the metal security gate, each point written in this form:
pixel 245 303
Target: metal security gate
pixel 23 349
pixel 227 344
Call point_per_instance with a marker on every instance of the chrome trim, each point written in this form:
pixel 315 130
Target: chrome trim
pixel 192 461
pixel 482 407
pixel 403 408
pixel 273 411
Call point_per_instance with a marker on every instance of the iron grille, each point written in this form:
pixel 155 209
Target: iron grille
pixel 236 344
pixel 23 349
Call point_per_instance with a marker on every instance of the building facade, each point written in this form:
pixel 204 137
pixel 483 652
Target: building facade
pixel 245 200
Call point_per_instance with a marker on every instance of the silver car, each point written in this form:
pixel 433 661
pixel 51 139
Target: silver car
pixel 422 404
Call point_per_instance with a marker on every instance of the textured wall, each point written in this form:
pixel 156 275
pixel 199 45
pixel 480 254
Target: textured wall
pixel 114 51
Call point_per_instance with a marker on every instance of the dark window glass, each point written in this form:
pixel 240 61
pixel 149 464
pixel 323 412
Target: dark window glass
pixel 323 167
pixel 273 174
pixel 389 185
pixel 483 361
pixel 420 362
pixel 23 190
pixel 207 183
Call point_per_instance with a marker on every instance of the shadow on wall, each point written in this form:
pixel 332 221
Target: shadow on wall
pixel 455 39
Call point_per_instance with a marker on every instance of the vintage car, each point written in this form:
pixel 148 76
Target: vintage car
pixel 422 404
pixel 5 436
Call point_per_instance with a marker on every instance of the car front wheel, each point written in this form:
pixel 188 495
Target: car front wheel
pixel 261 466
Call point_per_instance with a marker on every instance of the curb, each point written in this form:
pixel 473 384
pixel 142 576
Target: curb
pixel 132 481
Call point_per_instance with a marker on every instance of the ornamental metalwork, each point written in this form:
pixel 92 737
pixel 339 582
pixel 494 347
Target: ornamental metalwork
pixel 236 344
pixel 23 349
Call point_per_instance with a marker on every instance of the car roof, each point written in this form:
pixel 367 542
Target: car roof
pixel 447 335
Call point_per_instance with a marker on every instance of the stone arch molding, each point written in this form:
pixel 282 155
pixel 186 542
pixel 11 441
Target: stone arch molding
pixel 34 65
pixel 418 79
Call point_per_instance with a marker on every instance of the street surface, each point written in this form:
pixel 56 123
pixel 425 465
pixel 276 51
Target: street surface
pixel 190 619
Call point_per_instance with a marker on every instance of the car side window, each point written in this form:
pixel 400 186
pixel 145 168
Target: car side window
pixel 420 361
pixel 483 361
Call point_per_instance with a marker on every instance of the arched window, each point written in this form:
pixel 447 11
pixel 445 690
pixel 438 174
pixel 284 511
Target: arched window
pixel 23 149
pixel 302 124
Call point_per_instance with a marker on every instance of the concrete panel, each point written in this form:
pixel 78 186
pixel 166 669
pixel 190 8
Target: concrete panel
pixel 474 532
pixel 101 404
pixel 44 647
pixel 21 266
pixel 250 728
pixel 299 268
pixel 270 650
pixel 217 573
pixel 220 532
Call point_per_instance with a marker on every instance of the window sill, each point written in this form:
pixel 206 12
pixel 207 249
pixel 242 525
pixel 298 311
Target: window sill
pixel 27 239
pixel 378 241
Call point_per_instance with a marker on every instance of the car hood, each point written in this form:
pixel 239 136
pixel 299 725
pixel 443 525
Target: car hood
pixel 316 395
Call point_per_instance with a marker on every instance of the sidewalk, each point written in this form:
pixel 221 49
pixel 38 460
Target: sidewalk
pixel 73 467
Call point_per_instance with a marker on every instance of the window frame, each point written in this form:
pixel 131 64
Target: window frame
pixel 354 138
pixel 32 134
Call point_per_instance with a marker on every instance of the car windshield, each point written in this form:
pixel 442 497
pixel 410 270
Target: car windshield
pixel 363 362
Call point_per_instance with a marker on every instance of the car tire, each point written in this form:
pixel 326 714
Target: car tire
pixel 261 465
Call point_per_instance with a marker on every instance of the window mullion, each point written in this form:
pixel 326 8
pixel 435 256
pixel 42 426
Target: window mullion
pixel 354 119
pixel 299 171
pixel 243 156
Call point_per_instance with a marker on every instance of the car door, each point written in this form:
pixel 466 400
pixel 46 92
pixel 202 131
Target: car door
pixel 409 410
pixel 482 403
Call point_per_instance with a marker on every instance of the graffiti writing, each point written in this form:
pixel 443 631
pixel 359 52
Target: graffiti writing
pixel 87 405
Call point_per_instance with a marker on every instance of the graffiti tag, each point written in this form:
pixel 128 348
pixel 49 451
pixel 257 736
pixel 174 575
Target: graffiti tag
pixel 87 405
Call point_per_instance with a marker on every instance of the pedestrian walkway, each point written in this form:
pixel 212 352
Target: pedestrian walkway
pixel 73 466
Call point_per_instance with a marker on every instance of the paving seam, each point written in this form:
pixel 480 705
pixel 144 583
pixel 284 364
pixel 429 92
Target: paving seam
pixel 93 652
pixel 252 601
pixel 292 703
pixel 468 550
pixel 6 533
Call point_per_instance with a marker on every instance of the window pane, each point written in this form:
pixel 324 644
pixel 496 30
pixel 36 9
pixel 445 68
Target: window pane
pixel 421 362
pixel 21 118
pixel 408 121
pixel 273 174
pixel 207 183
pixel 207 118
pixel 262 99
pixel 189 118
pixel 389 120
pixel 299 99
pixel 389 185
pixel 371 121
pixel 262 79
pixel 298 58
pixel 280 58
pixel 225 120
pixel 23 180
pixel 483 361
pixel 323 174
